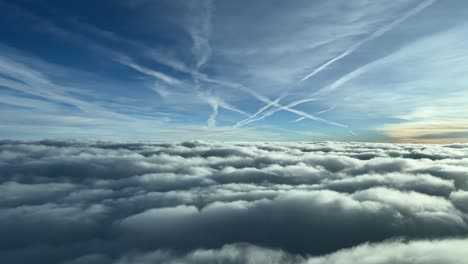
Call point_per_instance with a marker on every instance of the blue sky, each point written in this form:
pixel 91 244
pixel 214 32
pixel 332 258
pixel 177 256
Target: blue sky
pixel 360 70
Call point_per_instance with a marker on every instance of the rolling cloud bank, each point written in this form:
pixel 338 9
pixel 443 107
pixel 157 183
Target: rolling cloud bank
pixel 78 202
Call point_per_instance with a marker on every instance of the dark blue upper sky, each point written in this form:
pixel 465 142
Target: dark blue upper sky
pixel 234 70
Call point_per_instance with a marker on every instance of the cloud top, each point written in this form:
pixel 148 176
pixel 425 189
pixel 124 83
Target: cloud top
pixel 199 202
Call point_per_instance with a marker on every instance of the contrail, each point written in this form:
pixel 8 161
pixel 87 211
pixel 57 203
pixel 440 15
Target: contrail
pixel 200 35
pixel 268 101
pixel 334 85
pixel 212 120
pixel 240 123
pixel 252 119
pixel 229 107
pixel 288 108
pixel 374 35
pixel 127 61
pixel 299 119
pixel 215 104
pixel 326 110
pixel 316 114
pixel 344 79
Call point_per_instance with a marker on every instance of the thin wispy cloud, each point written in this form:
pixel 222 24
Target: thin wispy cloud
pixel 357 45
pixel 316 114
pixel 371 37
pixel 30 81
pixel 254 58
pixel 147 71
pixel 212 120
pixel 215 103
pixel 275 104
pixel 200 34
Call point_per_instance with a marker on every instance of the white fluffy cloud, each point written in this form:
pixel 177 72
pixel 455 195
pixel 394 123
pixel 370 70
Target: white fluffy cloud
pixel 198 202
pixel 397 252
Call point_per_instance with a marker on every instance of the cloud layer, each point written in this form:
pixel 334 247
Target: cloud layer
pixel 199 202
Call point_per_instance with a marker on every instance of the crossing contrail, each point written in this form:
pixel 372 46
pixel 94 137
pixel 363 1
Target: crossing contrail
pixel 316 114
pixel 288 108
pixel 354 47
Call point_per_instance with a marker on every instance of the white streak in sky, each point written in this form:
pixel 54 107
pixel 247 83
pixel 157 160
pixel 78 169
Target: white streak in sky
pixel 316 114
pixel 326 110
pixel 200 35
pixel 268 101
pixel 158 75
pixel 230 107
pixel 288 108
pixel 212 120
pixel 240 123
pixel 57 31
pixel 156 55
pixel 23 78
pixel 345 78
pixel 299 119
pixel 250 120
pixel 215 103
pixel 374 35
pixel 342 80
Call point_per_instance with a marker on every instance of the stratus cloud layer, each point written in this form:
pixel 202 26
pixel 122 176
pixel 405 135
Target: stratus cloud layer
pixel 197 202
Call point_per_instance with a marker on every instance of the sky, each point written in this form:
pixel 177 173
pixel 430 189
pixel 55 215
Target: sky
pixel 363 70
